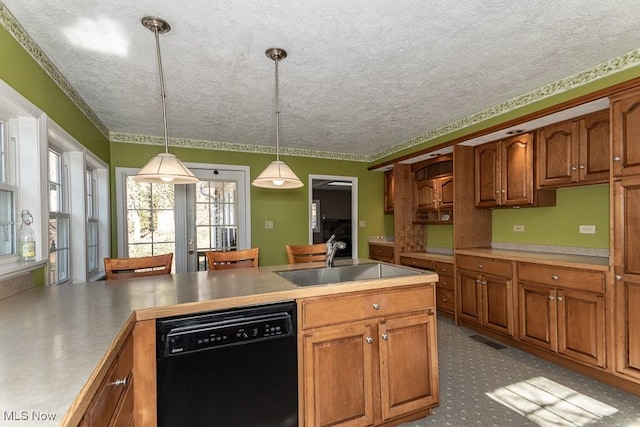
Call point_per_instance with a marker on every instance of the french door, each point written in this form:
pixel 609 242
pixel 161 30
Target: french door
pixel 187 220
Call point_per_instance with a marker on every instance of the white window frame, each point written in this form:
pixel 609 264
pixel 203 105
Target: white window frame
pixel 29 131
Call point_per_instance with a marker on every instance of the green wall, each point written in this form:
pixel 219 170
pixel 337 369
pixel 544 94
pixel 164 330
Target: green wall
pixel 288 209
pixel 19 70
pixel 440 236
pixel 558 225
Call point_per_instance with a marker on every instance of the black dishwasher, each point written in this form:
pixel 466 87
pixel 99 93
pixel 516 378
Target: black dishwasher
pixel 228 368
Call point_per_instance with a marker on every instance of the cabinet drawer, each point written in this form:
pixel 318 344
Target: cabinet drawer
pixel 485 265
pixel 330 310
pixel 102 407
pixel 416 262
pixel 445 281
pixel 444 299
pixel 561 277
pixel 380 252
pixel 443 268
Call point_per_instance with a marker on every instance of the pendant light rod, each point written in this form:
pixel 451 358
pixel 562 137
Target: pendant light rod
pixel 277 54
pixel 160 26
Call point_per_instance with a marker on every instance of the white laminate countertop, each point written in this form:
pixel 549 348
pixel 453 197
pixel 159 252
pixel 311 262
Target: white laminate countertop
pixel 53 338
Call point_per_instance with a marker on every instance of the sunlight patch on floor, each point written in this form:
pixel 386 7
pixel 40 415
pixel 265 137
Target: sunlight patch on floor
pixel 548 403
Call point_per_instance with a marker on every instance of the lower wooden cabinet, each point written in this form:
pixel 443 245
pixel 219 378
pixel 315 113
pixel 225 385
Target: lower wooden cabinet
pixel 112 404
pixel 563 310
pixel 382 253
pixel 376 361
pixel 445 289
pixel 628 325
pixel 484 290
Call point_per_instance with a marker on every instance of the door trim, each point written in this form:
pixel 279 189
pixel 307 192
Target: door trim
pixel 354 208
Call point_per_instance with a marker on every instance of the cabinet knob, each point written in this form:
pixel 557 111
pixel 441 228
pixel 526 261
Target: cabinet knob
pixel 369 340
pixel 551 298
pixel 616 158
pixel 385 336
pixel 444 269
pixel 119 383
pixel 504 191
pixel 618 277
pixel 554 277
pixel 559 298
pixel 480 265
pixel 484 282
pixel 573 168
pixel 581 166
pixel 478 281
pixel 497 191
pixel 376 306
pixel 444 300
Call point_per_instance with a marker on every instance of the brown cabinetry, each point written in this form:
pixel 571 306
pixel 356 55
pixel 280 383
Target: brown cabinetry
pixel 434 199
pixel 574 151
pixel 484 291
pixel 625 133
pixel 381 252
pixel 369 357
pixel 627 277
pixel 504 174
pixel 563 310
pixel 389 187
pixel 113 402
pixel 445 289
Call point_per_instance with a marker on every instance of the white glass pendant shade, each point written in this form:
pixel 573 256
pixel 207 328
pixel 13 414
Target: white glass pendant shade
pixel 165 168
pixel 277 175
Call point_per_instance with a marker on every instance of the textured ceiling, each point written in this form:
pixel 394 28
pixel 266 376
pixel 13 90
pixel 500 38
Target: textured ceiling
pixel 362 76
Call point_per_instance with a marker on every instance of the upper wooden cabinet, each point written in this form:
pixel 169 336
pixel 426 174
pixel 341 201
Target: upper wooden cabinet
pixel 389 183
pixel 504 174
pixel 574 151
pixel 433 190
pixel 625 132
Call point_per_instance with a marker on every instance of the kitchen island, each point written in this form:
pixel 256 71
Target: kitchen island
pixel 59 342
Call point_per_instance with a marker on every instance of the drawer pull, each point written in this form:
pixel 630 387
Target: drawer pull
pixel 385 336
pixel 118 383
pixel 376 306
pixel 369 340
pixel 480 265
pixel 444 300
pixel 444 269
pixel 554 277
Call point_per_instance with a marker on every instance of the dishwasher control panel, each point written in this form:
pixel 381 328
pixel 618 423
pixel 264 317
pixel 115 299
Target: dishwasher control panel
pixel 204 332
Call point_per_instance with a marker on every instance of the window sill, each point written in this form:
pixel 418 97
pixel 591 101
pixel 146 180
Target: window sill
pixel 18 268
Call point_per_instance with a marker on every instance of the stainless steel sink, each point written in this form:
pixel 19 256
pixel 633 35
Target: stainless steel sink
pixel 345 273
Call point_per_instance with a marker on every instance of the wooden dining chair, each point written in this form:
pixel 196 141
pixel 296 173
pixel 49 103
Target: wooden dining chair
pixel 125 268
pixel 245 258
pixel 306 253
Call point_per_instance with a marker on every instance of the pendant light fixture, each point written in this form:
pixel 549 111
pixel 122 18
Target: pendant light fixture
pixel 164 168
pixel 277 175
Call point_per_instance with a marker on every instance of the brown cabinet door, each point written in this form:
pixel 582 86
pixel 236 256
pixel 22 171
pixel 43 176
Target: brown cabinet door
pixel 487 175
pixel 408 345
pixel 538 315
pixel 338 380
pixel 558 154
pixel 581 326
pixel 497 303
pixel 627 284
pixel 469 294
pixel 388 191
pixel 625 129
pixel 426 194
pixel 594 148
pixel 445 196
pixel 628 324
pixel 516 167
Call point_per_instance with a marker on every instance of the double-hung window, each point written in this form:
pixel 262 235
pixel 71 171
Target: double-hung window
pixel 59 230
pixel 92 221
pixel 7 198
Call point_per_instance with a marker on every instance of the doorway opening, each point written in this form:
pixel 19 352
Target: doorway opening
pixel 333 209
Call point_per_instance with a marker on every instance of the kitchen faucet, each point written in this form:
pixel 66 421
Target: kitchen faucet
pixel 332 247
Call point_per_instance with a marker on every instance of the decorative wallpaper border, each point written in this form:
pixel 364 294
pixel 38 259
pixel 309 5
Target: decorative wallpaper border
pixel 14 28
pixel 606 68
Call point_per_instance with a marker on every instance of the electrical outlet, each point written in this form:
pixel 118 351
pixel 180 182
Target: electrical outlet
pixel 362 223
pixel 268 224
pixel 587 229
pixel 518 228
